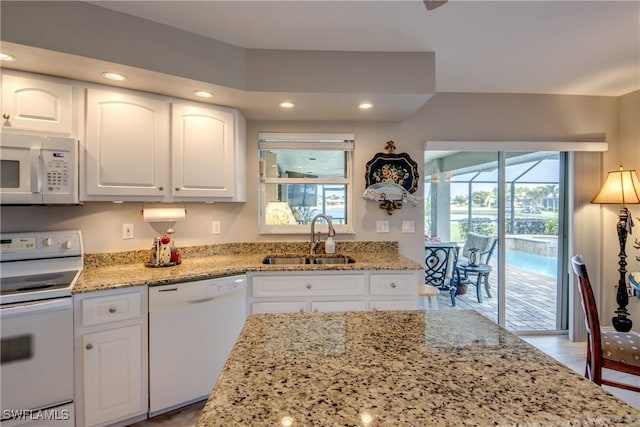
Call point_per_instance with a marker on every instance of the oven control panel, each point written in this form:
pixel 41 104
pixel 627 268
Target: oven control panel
pixel 40 245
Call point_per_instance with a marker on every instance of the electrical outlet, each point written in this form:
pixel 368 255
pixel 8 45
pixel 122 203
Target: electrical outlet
pixel 408 226
pixel 215 227
pixel 382 226
pixel 127 231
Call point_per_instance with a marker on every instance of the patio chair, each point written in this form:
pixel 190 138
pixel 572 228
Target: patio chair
pixel 479 274
pixel 439 267
pixel 606 348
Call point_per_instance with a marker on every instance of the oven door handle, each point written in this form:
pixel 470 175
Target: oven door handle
pixel 35 306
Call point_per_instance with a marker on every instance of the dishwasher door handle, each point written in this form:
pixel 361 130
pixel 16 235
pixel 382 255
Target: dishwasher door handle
pixel 199 301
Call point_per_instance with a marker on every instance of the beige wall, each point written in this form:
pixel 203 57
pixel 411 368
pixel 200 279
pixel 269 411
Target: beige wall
pixel 445 116
pixel 627 153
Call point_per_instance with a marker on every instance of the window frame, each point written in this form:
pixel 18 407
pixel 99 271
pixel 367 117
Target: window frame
pixel 305 141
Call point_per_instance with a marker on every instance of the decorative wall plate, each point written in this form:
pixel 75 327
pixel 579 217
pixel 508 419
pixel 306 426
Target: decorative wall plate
pixel 390 167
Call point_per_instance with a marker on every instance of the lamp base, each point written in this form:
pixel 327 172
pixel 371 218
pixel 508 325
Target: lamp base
pixel 621 323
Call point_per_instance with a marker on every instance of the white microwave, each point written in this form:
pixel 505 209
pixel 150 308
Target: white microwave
pixel 38 170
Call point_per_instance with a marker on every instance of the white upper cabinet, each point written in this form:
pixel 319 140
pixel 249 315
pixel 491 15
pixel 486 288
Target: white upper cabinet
pixel 202 152
pixel 126 147
pixel 36 104
pixel 131 153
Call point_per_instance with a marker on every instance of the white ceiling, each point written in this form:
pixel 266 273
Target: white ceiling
pixel 550 47
pixel 571 47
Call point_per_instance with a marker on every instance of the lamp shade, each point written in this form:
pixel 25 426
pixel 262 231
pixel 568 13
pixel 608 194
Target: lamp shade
pixel 621 187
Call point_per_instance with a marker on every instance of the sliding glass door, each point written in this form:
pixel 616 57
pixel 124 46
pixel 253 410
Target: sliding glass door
pixel 514 199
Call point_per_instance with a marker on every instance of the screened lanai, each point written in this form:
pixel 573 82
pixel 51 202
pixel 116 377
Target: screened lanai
pixel 461 196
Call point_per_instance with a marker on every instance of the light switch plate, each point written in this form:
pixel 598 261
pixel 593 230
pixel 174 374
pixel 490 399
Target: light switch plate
pixel 408 226
pixel 215 227
pixel 382 226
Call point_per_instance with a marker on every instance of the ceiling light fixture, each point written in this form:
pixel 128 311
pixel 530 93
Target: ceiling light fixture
pixel 365 105
pixel 7 57
pixel 114 76
pixel 203 93
pixel 287 104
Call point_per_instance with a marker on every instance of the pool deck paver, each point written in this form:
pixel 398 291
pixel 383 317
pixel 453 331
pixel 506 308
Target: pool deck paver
pixel 530 300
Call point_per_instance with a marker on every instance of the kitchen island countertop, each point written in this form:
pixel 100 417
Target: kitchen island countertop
pixel 434 368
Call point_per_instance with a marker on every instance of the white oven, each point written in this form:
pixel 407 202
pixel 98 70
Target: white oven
pixel 38 170
pixel 37 272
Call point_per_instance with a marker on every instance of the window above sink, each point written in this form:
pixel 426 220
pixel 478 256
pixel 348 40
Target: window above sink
pixel 302 175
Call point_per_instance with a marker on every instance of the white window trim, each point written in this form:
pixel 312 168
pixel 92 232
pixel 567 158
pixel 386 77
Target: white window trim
pixel 314 141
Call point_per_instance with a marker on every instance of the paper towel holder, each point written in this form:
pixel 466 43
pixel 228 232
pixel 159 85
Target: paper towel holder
pixel 163 214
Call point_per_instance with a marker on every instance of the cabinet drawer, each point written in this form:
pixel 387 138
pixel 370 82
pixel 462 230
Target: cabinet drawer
pixel 387 284
pixel 111 308
pixel 279 307
pixel 401 304
pixel 312 285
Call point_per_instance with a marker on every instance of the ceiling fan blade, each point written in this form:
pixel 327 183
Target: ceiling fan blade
pixel 432 4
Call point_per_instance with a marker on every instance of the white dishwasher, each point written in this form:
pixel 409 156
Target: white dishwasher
pixel 192 328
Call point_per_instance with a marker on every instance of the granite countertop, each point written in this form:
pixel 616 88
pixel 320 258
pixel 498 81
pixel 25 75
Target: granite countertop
pixel 433 368
pixel 125 269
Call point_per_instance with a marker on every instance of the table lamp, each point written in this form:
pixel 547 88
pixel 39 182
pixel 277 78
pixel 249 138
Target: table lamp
pixel 621 188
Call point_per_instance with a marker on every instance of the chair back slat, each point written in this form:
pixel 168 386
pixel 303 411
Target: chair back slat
pixel 588 302
pixel 439 263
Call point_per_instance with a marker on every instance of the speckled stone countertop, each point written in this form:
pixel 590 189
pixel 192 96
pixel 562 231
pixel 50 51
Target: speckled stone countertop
pixel 434 368
pixel 124 269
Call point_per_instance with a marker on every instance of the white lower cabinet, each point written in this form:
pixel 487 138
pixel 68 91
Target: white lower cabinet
pixel 111 356
pixel 112 382
pixel 293 292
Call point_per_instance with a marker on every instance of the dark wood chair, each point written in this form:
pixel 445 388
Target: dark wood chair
pixel 606 349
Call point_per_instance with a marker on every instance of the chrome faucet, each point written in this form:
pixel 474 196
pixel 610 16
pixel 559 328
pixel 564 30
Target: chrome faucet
pixel 316 240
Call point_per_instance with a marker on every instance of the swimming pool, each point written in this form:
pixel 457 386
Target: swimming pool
pixel 536 263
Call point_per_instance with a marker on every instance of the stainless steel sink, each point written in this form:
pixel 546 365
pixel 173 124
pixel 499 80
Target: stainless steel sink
pixel 332 259
pixel 285 259
pixel 302 259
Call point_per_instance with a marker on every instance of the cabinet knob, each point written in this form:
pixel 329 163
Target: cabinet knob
pixel 161 188
pixel 177 188
pixel 6 116
pixel 89 346
pixel 112 310
pixel 308 285
pixel 393 285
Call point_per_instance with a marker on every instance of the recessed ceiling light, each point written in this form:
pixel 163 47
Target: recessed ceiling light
pixel 7 57
pixel 203 93
pixel 114 76
pixel 365 106
pixel 287 104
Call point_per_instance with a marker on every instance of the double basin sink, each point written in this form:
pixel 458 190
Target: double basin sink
pixel 307 259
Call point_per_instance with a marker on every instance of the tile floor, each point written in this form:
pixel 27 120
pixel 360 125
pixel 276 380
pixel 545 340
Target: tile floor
pixel 571 354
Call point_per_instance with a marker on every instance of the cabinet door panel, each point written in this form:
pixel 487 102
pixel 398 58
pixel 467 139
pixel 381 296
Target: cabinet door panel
pixel 126 145
pixel 112 374
pixel 279 307
pixel 203 158
pixel 37 105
